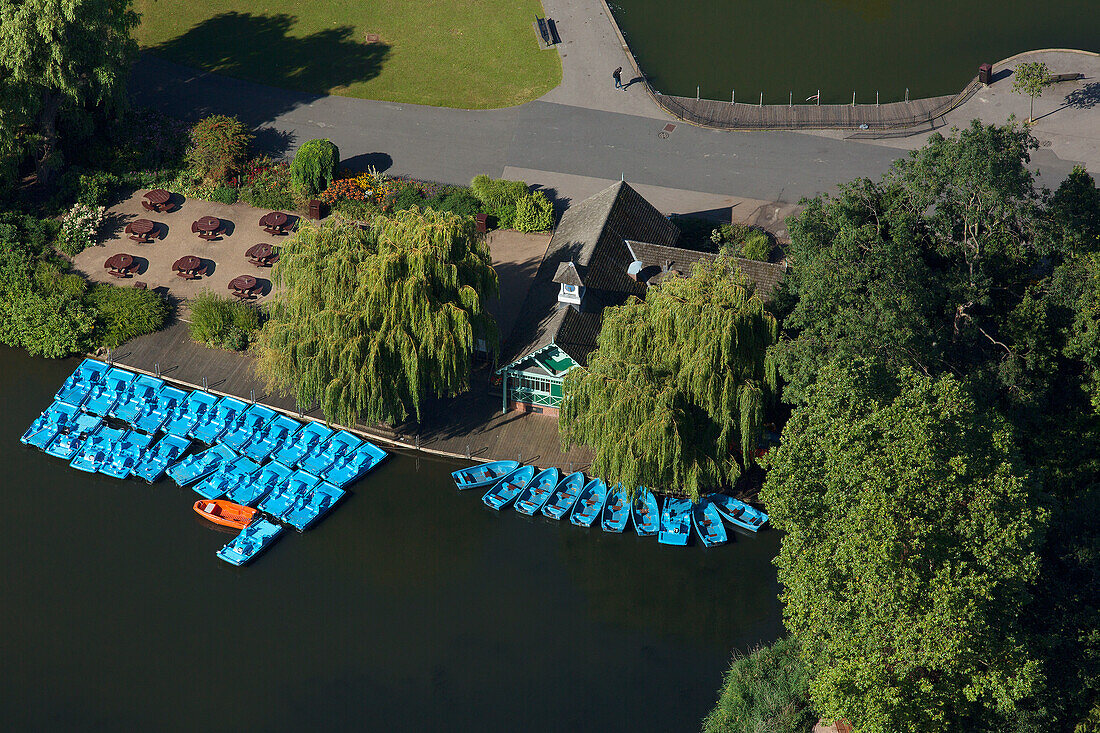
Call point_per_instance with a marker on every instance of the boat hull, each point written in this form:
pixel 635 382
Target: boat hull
pixel 225 513
pixel 477 477
pixel 675 522
pixel 252 540
pixel 564 496
pixel 505 491
pixel 708 525
pixel 616 511
pixel 589 504
pixel 537 492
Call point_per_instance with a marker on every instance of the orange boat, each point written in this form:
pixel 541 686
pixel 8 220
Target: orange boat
pixel 225 512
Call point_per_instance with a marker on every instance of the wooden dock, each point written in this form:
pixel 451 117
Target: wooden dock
pixel 470 425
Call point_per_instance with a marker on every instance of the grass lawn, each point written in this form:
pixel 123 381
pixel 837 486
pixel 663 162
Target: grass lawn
pixel 473 54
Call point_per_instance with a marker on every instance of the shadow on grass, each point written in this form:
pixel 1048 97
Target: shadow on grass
pixel 259 48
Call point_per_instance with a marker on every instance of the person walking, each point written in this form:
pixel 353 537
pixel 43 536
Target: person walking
pixel 617 75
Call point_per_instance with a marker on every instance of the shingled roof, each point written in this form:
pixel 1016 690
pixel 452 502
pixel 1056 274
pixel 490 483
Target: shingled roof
pixel 763 276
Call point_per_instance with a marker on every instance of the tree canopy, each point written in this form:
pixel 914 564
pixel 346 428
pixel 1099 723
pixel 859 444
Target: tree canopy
pixel 61 61
pixel 1029 79
pixel 675 391
pixel 371 322
pixel 911 538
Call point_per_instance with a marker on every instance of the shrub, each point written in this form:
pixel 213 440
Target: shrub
pixel 765 691
pixel 314 166
pixel 756 246
pixel 497 194
pixel 408 197
pixel 267 184
pixel 94 189
pixel 355 209
pixel 223 195
pixel 219 147
pixel 220 322
pixel 80 228
pixel 506 216
pixel 125 313
pixel 460 201
pixel 534 213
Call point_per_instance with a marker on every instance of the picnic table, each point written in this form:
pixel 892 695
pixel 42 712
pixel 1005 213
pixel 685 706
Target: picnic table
pixel 139 230
pixel 273 222
pixel 119 265
pixel 207 227
pixel 243 286
pixel 189 267
pixel 157 200
pixel 262 255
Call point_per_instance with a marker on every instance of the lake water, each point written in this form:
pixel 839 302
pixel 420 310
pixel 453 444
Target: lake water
pixel 411 607
pixel 933 47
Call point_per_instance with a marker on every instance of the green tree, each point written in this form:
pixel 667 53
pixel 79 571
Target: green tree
pixel 314 166
pixel 534 213
pixel 219 147
pixel 61 61
pixel 370 323
pixel 1029 79
pixel 910 539
pixel 676 388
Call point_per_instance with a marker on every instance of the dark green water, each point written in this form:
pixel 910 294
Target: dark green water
pixel 932 47
pixel 412 607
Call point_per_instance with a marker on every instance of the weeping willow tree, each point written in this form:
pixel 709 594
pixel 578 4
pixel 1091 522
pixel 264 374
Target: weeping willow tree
pixel 369 323
pixel 674 394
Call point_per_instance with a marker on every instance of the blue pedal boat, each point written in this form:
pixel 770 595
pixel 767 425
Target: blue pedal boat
pixel 73 435
pixel 46 426
pixel 265 480
pixel 231 475
pixel 154 418
pixel 250 542
pixel 505 491
pixel 353 466
pixel 138 398
pixel 589 504
pixel 300 484
pixel 80 383
pixel 247 425
pixel 305 441
pixel 738 512
pixel 708 524
pixel 273 437
pixel 308 509
pixel 126 455
pixel 476 477
pixel 616 511
pixel 335 448
pixel 199 466
pixel 646 513
pixel 218 419
pixel 675 522
pixel 537 492
pixel 192 412
pixel 96 449
pixel 564 496
pixel 155 460
pixel 104 395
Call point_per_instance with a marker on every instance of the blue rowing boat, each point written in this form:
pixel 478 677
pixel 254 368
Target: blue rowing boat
pixel 153 419
pixel 263 481
pixel 708 524
pixel 308 509
pixel 738 512
pixel 537 492
pixel 81 382
pixel 218 419
pixel 564 496
pixel 199 466
pixel 185 417
pixel 96 449
pixel 646 513
pixel 250 542
pixel 616 511
pixel 46 426
pixel 476 477
pixel 283 497
pixel 167 451
pixel 505 491
pixel 73 435
pixel 305 441
pixel 273 437
pixel 589 504
pixel 336 447
pixel 139 397
pixel 247 425
pixel 103 396
pixel 353 466
pixel 126 455
pixel 675 522
pixel 230 475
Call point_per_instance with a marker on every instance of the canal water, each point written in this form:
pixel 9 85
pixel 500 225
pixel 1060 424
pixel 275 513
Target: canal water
pixel 411 607
pixel 777 47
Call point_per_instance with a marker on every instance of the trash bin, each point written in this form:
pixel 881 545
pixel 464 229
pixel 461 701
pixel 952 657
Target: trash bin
pixel 985 73
pixel 482 223
pixel 315 209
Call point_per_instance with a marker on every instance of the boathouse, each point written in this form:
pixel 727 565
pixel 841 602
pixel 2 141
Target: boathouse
pixel 610 246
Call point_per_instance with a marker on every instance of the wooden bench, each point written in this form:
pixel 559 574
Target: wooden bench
pixel 1056 78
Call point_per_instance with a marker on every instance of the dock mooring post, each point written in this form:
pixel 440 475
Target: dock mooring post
pixel 818 97
pixel 733 96
pixel 876 98
pixel 204 388
pixel 252 396
pixel 467 451
pixel 156 369
pixel 790 99
pixel 418 441
pixel 853 99
pixel 696 94
pixel 907 95
pixel 761 99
